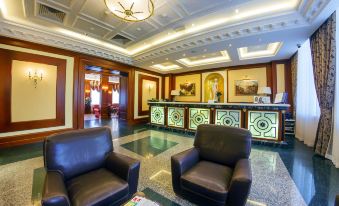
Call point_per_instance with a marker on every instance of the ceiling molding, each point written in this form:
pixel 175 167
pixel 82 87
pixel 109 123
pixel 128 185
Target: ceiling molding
pixel 13 30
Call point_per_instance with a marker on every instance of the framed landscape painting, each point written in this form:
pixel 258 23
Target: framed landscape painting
pixel 187 89
pixel 246 87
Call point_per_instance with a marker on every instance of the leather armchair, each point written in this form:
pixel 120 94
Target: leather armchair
pixel 336 203
pixel 217 170
pixel 82 169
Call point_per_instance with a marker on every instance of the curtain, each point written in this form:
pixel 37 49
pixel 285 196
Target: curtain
pixel 294 65
pixel 307 106
pixel 323 58
pixel 334 154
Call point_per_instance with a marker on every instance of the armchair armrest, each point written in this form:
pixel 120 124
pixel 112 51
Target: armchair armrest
pixel 240 184
pixel 180 163
pixel 54 192
pixel 126 168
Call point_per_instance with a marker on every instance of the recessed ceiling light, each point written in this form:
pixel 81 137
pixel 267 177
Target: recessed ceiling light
pixel 183 55
pixel 204 56
pixel 163 15
pixel 152 62
pixel 259 39
pixel 193 24
pixel 107 12
pixel 138 29
pixel 166 58
pixel 237 11
pixel 205 50
pixel 230 45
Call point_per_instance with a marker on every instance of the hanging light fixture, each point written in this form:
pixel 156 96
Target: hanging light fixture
pixel 131 10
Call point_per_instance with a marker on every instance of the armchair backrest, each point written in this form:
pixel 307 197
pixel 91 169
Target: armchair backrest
pixel 77 152
pixel 223 144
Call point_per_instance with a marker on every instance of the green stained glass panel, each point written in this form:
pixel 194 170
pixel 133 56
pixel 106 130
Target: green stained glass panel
pixel 157 115
pixel 264 124
pixel 175 117
pixel 198 116
pixel 228 117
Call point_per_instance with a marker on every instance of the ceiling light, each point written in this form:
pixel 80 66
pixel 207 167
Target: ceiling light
pixel 166 68
pixel 272 50
pixel 205 50
pixel 213 60
pixel 204 56
pixel 166 58
pixel 237 11
pixel 230 45
pixel 129 10
pixel 183 55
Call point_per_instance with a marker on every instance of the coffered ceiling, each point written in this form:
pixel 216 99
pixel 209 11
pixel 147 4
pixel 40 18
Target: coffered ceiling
pixel 182 35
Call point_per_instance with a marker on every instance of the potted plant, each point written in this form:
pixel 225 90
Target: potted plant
pixel 88 105
pixel 218 95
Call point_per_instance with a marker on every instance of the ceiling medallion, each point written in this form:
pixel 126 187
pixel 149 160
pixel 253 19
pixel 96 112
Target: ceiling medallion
pixel 131 10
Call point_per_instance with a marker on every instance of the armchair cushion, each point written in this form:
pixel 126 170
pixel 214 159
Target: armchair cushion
pixel 126 168
pixel 208 179
pixel 54 192
pixel 99 187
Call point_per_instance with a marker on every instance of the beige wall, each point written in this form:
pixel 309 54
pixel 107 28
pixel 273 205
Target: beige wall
pixel 68 91
pixel 149 91
pixel 281 78
pixel 136 93
pixel 167 88
pixel 194 78
pixel 255 74
pixel 27 102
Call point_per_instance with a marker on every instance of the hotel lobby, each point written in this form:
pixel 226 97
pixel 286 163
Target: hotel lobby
pixel 169 103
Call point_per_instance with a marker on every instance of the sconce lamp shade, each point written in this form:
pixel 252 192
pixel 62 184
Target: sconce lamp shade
pixel 175 92
pixel 264 90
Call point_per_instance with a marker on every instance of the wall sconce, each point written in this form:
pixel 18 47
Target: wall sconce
pixel 35 77
pixel 105 88
pixel 150 87
pixel 87 91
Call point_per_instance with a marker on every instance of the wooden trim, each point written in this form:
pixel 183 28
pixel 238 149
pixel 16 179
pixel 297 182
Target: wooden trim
pixel 27 138
pixel 288 85
pixel 142 77
pixel 7 124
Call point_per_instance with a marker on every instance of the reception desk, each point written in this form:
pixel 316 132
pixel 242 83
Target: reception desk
pixel 265 121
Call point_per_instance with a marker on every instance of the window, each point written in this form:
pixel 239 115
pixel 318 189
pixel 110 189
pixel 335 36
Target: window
pixel 95 96
pixel 115 97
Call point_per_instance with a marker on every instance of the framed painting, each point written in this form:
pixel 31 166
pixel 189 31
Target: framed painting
pixel 187 89
pixel 246 87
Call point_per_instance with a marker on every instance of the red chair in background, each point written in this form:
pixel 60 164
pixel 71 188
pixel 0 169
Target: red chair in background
pixel 96 110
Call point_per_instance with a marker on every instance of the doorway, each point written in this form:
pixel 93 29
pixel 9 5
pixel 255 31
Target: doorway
pixel 105 94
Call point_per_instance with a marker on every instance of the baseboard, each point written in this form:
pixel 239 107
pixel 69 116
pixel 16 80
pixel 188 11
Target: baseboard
pixel 27 138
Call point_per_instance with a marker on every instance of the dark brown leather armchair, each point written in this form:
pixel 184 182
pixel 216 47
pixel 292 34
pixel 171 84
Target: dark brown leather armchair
pixel 216 171
pixel 82 169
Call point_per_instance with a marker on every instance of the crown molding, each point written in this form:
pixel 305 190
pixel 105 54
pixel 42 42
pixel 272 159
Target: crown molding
pixel 14 30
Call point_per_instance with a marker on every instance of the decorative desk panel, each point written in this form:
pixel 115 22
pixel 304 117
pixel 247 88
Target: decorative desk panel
pixel 263 124
pixel 265 121
pixel 157 115
pixel 175 117
pixel 228 117
pixel 198 116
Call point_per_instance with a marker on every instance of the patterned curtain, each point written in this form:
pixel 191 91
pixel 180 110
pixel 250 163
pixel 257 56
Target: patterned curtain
pixel 323 58
pixel 294 66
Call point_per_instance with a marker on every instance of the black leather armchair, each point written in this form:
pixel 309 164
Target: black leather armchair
pixel 82 169
pixel 216 171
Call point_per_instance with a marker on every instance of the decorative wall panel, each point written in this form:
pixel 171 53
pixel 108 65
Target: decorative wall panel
pixel 198 116
pixel 228 117
pixel 264 124
pixel 175 117
pixel 157 115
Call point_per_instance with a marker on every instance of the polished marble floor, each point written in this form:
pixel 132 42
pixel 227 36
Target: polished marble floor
pixel 292 176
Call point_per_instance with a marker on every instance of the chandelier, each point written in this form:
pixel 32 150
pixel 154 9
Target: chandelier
pixel 131 10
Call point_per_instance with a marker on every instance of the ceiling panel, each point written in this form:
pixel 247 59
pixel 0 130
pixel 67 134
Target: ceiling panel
pixel 195 6
pixel 66 3
pixel 139 29
pixel 89 27
pixel 165 15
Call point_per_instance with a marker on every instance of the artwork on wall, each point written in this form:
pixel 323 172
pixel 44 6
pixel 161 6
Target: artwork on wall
pixel 213 85
pixel 187 89
pixel 246 87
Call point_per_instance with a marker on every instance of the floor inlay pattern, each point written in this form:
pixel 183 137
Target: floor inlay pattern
pixel 272 184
